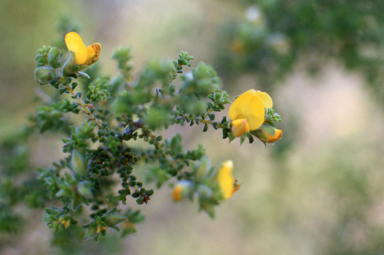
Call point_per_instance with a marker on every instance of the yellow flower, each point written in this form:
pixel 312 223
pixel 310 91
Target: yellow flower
pixel 227 183
pixel 181 189
pixel 100 228
pixel 247 112
pixel 273 138
pixel 84 55
pixel 65 223
pixel 176 193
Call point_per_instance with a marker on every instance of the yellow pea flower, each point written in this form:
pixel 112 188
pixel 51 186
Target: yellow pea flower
pixel 84 55
pixel 273 138
pixel 176 193
pixel 181 189
pixel 227 183
pixel 247 112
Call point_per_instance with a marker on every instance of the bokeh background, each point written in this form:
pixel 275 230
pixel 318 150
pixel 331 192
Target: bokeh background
pixel 317 191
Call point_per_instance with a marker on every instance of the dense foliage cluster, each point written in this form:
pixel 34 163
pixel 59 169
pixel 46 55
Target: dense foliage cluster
pixel 120 127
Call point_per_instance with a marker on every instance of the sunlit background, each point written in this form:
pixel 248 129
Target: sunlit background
pixel 317 191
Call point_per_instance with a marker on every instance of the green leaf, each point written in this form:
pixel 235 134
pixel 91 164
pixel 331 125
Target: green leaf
pixel 91 232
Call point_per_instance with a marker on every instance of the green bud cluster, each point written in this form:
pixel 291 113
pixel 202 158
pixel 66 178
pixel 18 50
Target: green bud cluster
pixel 98 90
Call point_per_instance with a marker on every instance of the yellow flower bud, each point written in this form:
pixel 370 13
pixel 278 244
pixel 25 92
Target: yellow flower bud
pixel 67 223
pixel 272 138
pixel 84 55
pixel 181 190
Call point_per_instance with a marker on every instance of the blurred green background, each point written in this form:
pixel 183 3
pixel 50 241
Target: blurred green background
pixel 317 191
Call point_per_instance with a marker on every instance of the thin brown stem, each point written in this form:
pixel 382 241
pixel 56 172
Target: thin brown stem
pixel 84 106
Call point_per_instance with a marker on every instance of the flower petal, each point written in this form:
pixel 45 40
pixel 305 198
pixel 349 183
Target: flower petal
pixel 267 100
pixel 255 113
pixel 90 52
pixel 75 43
pixel 225 179
pixel 93 53
pixel 240 106
pixel 239 127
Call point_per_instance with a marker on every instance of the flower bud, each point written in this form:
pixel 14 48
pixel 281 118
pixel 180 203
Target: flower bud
pixel 128 228
pixel 204 191
pixel 113 219
pixel 54 57
pixel 84 189
pixel 65 222
pixel 78 163
pixel 271 136
pixel 181 190
pixel 69 63
pixel 45 74
pixel 217 95
pixel 101 228
pixel 203 168
pixel 92 231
